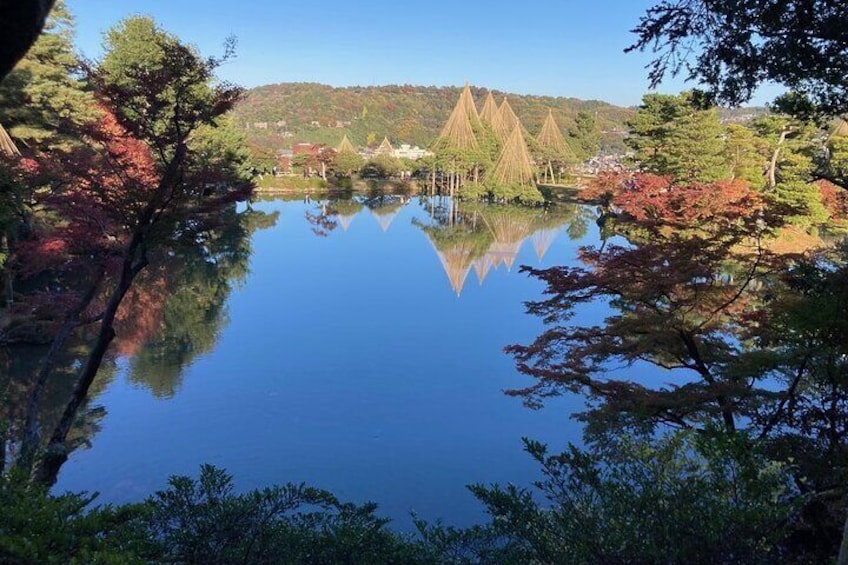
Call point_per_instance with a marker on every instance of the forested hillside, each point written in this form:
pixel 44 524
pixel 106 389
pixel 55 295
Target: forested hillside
pixel 290 112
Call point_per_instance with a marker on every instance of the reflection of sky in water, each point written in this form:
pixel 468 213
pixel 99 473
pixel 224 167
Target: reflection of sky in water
pixel 349 362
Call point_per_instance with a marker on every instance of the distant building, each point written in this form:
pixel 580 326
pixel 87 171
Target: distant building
pixel 305 148
pixel 284 162
pixel 260 125
pixel 405 151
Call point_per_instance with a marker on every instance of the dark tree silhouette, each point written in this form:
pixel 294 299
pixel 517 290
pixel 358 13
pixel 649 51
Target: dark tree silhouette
pixel 733 47
pixel 20 23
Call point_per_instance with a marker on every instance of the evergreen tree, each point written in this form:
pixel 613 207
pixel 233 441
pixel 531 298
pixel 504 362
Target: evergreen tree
pixel 793 148
pixel 586 139
pixel 672 136
pixel 744 152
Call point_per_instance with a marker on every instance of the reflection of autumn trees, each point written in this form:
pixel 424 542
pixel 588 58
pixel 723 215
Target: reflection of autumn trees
pixel 192 314
pixel 117 220
pixel 172 315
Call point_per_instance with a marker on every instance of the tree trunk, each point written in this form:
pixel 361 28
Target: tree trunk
pixel 134 261
pixel 8 286
pixel 772 171
pixel 843 547
pixel 31 437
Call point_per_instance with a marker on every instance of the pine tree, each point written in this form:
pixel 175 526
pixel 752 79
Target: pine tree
pixel 745 156
pixel 671 136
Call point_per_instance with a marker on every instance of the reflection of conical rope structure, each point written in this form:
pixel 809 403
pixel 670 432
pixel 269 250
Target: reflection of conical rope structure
pixel 457 264
pixel 543 239
pixel 385 220
pixel 458 247
pixel 386 213
pixel 7 146
pixel 345 211
pixel 345 220
pixel 551 138
pixel 483 266
pixel 346 146
pixel 510 228
pixel 514 166
pixel 385 148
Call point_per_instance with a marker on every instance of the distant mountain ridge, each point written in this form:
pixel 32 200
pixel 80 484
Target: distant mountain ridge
pixel 275 116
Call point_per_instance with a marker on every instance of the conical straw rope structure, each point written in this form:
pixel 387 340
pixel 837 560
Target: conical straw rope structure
pixel 385 147
pixel 467 100
pixel 346 146
pixel 508 117
pixel 458 132
pixel 551 137
pixel 7 146
pixel 514 166
pixel 490 109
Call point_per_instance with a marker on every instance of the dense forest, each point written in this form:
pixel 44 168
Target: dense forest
pixel 318 113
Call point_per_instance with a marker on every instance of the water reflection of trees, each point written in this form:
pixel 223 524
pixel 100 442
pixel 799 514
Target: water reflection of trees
pixel 484 237
pixel 19 368
pixel 194 312
pixel 173 315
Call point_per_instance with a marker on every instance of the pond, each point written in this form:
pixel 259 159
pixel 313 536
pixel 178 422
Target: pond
pixel 361 353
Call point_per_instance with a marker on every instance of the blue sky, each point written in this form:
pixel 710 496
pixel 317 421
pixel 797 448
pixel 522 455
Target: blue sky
pixel 563 48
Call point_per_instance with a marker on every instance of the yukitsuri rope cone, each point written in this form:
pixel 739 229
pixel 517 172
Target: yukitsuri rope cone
pixel 508 117
pixel 458 134
pixel 515 166
pixel 551 138
pixel 490 108
pixel 553 146
pixel 841 130
pixel 7 146
pixel 467 100
pixel 385 148
pixel 491 116
pixel 346 146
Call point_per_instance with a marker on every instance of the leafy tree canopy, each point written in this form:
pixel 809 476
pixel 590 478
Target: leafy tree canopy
pixel 733 47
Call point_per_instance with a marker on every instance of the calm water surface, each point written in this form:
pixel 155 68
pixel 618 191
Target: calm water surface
pixel 366 360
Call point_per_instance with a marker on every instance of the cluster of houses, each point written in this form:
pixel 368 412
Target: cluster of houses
pixel 287 157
